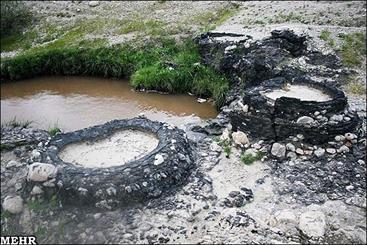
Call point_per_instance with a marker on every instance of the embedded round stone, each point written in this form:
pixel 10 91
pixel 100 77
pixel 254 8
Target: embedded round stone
pixel 41 172
pixel 13 204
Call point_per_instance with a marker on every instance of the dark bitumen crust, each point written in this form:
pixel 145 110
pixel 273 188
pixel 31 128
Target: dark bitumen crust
pixel 277 121
pixel 134 181
pixel 264 64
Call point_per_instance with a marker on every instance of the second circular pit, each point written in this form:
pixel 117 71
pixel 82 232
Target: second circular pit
pixel 277 109
pixel 157 166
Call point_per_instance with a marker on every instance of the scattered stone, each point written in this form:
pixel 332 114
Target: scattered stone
pixel 158 159
pixel 350 136
pixel 278 150
pixel 13 204
pixel 291 155
pixel 305 120
pixel 299 151
pixel 290 147
pixel 240 138
pixel 330 150
pixel 36 155
pixel 13 163
pixel 200 100
pixel 336 118
pixel 36 190
pixel 225 135
pixel 93 3
pixel 215 147
pixel 41 172
pixel 300 136
pixel 285 216
pixel 339 138
pixel 343 149
pixel 312 223
pixel 319 152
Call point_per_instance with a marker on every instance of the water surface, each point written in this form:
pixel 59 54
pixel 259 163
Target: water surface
pixel 73 103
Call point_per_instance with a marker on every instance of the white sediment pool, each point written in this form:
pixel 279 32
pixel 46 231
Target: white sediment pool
pixel 117 149
pixel 301 92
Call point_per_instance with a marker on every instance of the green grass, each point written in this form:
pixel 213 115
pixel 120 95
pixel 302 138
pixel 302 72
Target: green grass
pixel 226 145
pixel 147 66
pixel 53 131
pixel 249 159
pixel 209 20
pixel 325 35
pixel 354 86
pixel 353 49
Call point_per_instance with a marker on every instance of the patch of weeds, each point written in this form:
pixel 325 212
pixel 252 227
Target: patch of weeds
pixel 6 215
pixel 259 22
pixel 5 147
pixel 36 206
pixel 210 20
pixel 18 41
pixel 226 145
pixel 249 158
pixel 15 15
pixel 326 36
pixel 41 232
pixel 227 150
pixel 353 49
pixel 16 123
pixel 142 25
pixel 291 17
pixel 355 87
pixel 53 131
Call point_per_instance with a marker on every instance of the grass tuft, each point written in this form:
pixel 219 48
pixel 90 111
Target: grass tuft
pixel 249 159
pixel 326 36
pixel 16 123
pixel 353 49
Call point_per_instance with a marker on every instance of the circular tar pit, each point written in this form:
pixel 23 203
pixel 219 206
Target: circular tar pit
pixel 302 92
pixel 119 148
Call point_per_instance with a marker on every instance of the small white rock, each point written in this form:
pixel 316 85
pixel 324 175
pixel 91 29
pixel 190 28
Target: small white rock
pixel 93 3
pixel 299 151
pixel 278 150
pixel 343 149
pixel 215 147
pixel 331 150
pixel 319 152
pixel 350 136
pixel 200 100
pixel 158 159
pixel 240 138
pixel 290 147
pixel 225 135
pixel 36 190
pixel 305 120
pixel 312 223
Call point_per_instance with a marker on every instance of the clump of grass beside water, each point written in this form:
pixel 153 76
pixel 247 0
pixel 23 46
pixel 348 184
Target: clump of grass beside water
pixel 14 122
pixel 160 65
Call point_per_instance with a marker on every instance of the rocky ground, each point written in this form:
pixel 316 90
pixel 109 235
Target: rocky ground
pixel 293 193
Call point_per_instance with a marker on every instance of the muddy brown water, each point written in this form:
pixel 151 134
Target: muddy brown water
pixel 72 103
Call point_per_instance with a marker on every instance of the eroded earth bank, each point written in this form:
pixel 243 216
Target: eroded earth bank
pixel 283 162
